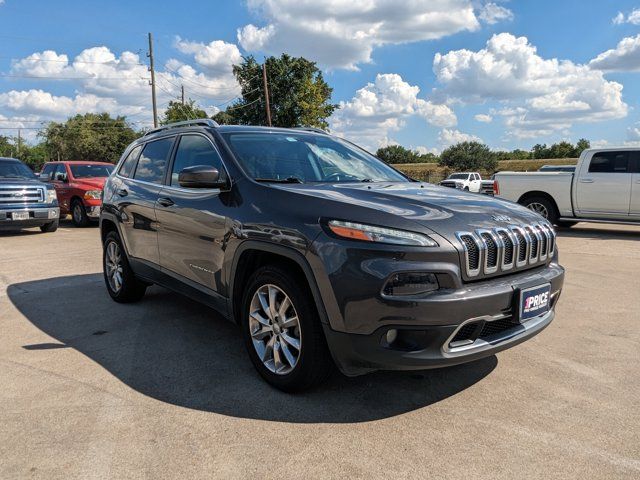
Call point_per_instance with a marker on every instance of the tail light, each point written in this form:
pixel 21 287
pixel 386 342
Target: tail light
pixel 496 188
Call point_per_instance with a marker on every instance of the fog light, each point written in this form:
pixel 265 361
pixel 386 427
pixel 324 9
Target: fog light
pixel 410 284
pixel 392 335
pixel 53 213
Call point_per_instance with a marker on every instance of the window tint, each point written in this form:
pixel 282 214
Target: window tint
pixel 194 150
pixel 609 162
pixel 48 169
pixel 60 173
pixel 153 161
pixel 634 161
pixel 129 163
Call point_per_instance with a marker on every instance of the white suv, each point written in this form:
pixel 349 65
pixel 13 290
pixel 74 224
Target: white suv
pixel 470 181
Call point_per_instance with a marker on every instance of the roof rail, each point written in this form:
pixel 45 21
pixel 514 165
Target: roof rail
pixel 312 129
pixel 198 122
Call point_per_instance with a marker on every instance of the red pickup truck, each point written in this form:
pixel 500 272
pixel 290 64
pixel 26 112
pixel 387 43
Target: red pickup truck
pixel 78 186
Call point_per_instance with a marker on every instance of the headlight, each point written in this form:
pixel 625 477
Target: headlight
pixel 369 233
pixel 93 194
pixel 51 195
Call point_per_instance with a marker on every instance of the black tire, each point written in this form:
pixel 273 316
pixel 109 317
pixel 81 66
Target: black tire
pixel 314 363
pixel 79 214
pixel 466 189
pixel 543 206
pixel 49 227
pixel 131 289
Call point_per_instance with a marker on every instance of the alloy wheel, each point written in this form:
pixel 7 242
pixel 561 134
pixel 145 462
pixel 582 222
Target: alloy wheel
pixel 113 265
pixel 275 329
pixel 77 213
pixel 539 209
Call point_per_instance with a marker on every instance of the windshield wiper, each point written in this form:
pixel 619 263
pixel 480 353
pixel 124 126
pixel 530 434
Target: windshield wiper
pixel 280 180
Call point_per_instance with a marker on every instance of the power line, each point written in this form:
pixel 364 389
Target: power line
pixel 51 77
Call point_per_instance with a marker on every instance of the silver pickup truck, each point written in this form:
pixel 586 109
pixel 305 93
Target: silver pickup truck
pixel 604 188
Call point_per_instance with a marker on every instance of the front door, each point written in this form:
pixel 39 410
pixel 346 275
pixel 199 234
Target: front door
pixel 604 187
pixel 191 221
pixel 60 181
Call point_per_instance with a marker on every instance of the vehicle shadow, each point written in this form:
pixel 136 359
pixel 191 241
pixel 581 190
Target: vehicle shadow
pixel 178 351
pixel 601 232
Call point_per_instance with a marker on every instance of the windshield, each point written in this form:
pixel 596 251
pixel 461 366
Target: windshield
pixel 299 157
pixel 88 170
pixel 459 176
pixel 15 170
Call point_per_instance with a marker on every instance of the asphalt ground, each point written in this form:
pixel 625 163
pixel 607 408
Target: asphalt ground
pixel 164 389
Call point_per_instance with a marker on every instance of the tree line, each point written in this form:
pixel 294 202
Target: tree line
pixel 298 96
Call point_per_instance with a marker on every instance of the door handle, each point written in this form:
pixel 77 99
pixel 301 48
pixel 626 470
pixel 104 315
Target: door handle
pixel 166 202
pixel 586 180
pixel 122 192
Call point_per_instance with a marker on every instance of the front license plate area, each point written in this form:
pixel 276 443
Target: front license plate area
pixel 534 302
pixel 20 215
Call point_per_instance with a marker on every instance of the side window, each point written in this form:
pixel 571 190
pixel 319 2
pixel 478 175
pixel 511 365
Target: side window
pixel 194 150
pixel 60 173
pixel 609 162
pixel 48 169
pixel 129 164
pixel 153 161
pixel 634 161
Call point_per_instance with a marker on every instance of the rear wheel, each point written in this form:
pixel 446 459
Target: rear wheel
pixel 49 227
pixel 543 207
pixel 79 214
pixel 282 331
pixel 121 283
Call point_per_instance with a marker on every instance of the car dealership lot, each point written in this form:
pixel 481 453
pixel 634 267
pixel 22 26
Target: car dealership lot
pixel 164 388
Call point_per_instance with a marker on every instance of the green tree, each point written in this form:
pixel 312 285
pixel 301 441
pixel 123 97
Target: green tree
pixel 177 112
pixel 562 150
pixel 540 151
pixel 397 154
pixel 582 144
pixel 298 94
pixel 92 136
pixel 469 156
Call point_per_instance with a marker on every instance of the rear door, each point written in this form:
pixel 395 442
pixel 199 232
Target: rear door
pixel 136 192
pixel 191 221
pixel 603 187
pixel 634 207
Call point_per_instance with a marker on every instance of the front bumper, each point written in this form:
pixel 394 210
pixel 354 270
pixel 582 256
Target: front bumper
pixel 429 330
pixel 38 216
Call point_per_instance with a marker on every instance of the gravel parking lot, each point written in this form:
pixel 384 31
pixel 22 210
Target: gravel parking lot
pixel 164 389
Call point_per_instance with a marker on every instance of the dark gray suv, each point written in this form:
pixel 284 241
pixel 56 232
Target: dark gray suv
pixel 324 254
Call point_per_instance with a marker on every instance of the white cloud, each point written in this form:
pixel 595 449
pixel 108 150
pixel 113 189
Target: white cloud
pixel 483 118
pixel 633 18
pixel 216 56
pixel 492 13
pixel 633 133
pixel 343 33
pixel 381 107
pixel 448 137
pixel 625 57
pixel 540 95
pixel 253 38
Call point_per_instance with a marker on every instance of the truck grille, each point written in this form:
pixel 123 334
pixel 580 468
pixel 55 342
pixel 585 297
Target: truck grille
pixel 21 195
pixel 489 251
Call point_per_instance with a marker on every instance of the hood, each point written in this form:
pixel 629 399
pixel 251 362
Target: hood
pixel 95 183
pixel 440 209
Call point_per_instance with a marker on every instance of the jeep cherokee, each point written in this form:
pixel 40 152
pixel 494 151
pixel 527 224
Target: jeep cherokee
pixel 322 253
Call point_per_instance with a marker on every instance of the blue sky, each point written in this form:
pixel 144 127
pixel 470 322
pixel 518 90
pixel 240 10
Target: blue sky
pixel 510 73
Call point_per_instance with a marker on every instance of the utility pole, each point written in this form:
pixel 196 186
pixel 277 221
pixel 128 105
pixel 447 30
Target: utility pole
pixel 266 92
pixel 153 82
pixel 19 142
pixel 182 93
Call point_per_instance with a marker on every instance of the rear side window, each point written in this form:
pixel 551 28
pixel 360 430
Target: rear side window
pixel 194 150
pixel 129 164
pixel 48 169
pixel 609 162
pixel 153 161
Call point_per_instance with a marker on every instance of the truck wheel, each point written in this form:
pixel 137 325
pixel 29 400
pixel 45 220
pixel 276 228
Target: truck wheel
pixel 121 283
pixel 543 207
pixel 79 214
pixel 282 331
pixel 49 227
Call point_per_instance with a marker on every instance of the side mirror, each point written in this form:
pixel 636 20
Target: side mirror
pixel 201 176
pixel 44 177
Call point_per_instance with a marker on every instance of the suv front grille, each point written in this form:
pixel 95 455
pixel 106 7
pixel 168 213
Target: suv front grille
pixel 503 249
pixel 10 195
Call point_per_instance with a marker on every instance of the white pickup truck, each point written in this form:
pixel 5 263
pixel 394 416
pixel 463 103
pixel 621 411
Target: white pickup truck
pixel 604 188
pixel 470 181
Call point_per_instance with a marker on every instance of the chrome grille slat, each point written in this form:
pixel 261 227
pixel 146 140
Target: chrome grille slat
pixel 488 251
pixel 20 195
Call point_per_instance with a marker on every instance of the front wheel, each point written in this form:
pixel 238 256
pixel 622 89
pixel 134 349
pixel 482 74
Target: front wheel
pixel 121 283
pixel 79 214
pixel 49 227
pixel 543 207
pixel 282 331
